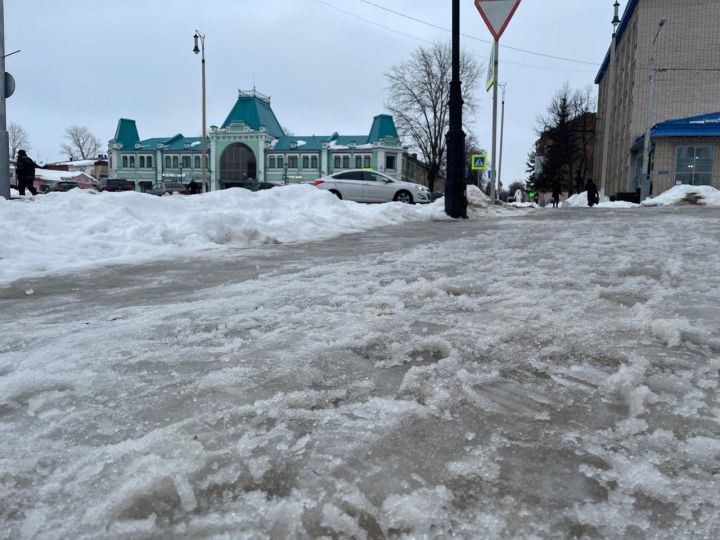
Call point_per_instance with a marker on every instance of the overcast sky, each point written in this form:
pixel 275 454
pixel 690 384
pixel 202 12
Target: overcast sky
pixel 89 63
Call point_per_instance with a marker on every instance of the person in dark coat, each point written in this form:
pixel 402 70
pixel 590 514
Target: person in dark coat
pixel 593 197
pixel 192 187
pixel 556 196
pixel 25 172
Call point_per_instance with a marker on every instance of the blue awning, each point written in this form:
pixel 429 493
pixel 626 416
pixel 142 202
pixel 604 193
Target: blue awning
pixel 706 125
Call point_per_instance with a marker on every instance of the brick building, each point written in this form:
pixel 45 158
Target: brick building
pixel 683 111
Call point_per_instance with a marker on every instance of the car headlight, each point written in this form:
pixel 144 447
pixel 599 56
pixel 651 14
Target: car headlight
pixel 420 188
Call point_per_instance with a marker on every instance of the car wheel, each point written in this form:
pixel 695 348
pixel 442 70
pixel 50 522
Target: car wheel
pixel 336 193
pixel 404 197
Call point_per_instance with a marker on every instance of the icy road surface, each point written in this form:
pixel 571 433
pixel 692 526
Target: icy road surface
pixel 549 375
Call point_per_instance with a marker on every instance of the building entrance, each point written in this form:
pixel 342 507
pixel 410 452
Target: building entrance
pixel 238 166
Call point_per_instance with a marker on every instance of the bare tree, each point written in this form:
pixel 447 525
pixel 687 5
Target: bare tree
pixel 19 139
pixel 419 99
pixel 82 144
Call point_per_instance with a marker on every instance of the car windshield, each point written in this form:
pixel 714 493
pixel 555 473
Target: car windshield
pixel 173 185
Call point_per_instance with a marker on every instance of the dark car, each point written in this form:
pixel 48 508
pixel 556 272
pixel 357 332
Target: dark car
pixel 115 184
pixel 60 186
pixel 169 187
pixel 258 186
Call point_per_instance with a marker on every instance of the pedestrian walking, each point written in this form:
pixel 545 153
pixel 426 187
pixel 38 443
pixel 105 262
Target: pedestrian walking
pixel 25 172
pixel 193 187
pixel 593 197
pixel 556 196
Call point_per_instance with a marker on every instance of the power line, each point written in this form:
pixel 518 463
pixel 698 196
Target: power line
pixel 406 16
pixel 371 22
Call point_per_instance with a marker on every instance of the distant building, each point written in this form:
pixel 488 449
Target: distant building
pixel 97 168
pixel 250 146
pixel 684 112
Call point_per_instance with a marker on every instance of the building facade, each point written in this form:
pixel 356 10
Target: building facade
pixel 682 57
pixel 251 146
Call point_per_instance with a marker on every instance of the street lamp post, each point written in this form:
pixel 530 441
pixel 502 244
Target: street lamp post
pixel 203 161
pixel 455 188
pixel 645 179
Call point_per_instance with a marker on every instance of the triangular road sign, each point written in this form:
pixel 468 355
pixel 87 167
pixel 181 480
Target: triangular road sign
pixel 497 14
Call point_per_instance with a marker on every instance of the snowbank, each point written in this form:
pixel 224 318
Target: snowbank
pixel 580 201
pixel 702 195
pixel 62 231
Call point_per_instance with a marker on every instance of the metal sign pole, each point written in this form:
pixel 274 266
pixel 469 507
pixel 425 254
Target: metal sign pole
pixel 493 175
pixel 4 138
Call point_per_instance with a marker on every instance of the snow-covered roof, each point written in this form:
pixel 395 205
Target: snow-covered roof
pixel 56 176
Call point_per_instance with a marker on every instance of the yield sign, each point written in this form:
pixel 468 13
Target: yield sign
pixel 497 14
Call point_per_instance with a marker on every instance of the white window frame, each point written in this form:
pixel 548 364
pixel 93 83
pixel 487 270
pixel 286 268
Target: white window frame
pixel 297 158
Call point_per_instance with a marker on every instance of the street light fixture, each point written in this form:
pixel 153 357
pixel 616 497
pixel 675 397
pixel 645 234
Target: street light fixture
pixel 200 48
pixel 645 187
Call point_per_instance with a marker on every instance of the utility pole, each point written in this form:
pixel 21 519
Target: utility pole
pixel 4 138
pixel 645 181
pixel 502 134
pixel 455 188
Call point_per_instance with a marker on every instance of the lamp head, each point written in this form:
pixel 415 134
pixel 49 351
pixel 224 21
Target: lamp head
pixel 196 50
pixel 662 22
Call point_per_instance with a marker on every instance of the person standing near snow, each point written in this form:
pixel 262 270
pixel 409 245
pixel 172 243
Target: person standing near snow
pixel 593 196
pixel 193 187
pixel 556 196
pixel 25 171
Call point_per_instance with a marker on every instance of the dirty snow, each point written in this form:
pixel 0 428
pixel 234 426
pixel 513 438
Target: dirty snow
pixel 483 378
pixel 685 194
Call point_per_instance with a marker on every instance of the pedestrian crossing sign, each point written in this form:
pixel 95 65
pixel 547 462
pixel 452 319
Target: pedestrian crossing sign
pixel 479 162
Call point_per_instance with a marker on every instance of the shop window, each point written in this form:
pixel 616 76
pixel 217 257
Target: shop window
pixel 694 165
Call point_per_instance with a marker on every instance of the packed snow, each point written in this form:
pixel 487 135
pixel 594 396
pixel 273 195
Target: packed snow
pixel 532 374
pixel 685 194
pixel 580 201
pixel 64 231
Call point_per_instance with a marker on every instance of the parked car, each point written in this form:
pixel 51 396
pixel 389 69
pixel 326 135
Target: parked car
pixel 168 187
pixel 259 186
pixel 370 186
pixel 60 186
pixel 115 184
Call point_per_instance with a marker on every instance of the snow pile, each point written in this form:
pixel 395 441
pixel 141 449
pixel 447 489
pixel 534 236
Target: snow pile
pixel 62 231
pixel 580 201
pixel 476 199
pixel 702 195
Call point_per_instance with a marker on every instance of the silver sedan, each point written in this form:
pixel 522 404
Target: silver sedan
pixel 370 186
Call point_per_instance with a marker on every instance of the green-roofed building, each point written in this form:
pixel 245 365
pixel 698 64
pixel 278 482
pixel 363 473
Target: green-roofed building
pixel 251 146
